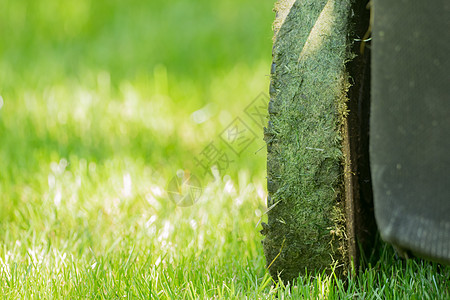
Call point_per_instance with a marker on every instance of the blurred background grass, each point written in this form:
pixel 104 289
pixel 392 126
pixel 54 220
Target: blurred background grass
pixel 87 77
pixel 101 103
pixel 99 80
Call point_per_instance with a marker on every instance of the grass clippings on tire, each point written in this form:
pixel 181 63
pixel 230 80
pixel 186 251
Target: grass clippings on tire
pixel 306 216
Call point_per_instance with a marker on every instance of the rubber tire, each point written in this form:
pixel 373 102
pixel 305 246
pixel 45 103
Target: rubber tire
pixel 311 180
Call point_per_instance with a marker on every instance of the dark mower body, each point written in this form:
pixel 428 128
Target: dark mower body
pixel 410 126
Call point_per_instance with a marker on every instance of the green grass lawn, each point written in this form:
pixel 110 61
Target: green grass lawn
pixel 102 104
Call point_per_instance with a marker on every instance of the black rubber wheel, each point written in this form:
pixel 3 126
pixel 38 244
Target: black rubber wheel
pixel 318 179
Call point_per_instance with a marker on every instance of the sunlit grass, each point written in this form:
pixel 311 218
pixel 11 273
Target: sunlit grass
pixel 128 230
